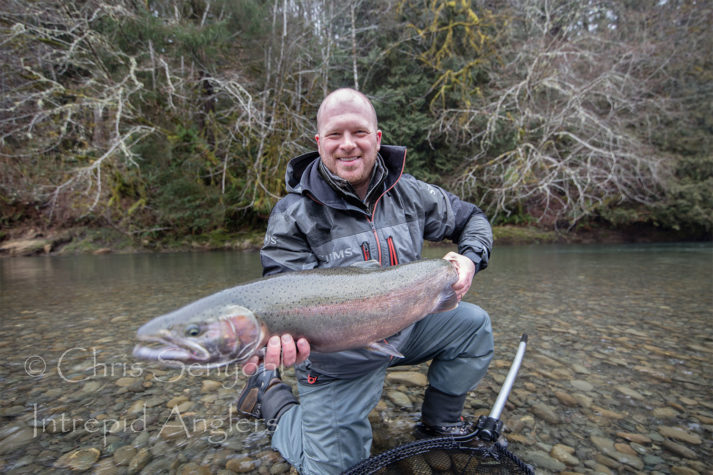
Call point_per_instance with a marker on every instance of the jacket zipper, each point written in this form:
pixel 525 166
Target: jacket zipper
pixel 373 209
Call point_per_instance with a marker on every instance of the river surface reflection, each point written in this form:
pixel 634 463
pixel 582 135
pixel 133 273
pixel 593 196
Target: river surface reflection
pixel 617 376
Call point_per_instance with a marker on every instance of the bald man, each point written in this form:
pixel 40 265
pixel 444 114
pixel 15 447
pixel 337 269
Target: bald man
pixel 349 202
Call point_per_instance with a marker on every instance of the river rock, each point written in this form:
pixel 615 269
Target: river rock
pixel 679 449
pixel 139 461
pixel 680 434
pixel 241 465
pixel 543 461
pixel 126 381
pixel 78 460
pixel 681 470
pixel 410 378
pixel 176 401
pixel 123 455
pixel 399 399
pixel 16 437
pixel 665 413
pixel 566 398
pixel 208 386
pixel 564 454
pixel 105 467
pixel 627 391
pixel 137 407
pixel 546 413
pixel 637 438
pixel 582 385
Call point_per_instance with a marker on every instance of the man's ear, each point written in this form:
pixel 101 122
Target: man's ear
pixel 316 138
pixel 378 140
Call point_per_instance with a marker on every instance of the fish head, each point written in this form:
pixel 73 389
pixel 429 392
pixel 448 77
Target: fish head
pixel 225 335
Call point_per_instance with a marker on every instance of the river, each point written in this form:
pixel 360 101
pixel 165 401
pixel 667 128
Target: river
pixel 618 374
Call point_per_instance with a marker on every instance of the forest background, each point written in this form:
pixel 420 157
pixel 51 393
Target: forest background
pixel 157 123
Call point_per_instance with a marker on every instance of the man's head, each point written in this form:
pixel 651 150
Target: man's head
pixel 347 137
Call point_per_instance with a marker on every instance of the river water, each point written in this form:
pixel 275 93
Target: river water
pixel 618 374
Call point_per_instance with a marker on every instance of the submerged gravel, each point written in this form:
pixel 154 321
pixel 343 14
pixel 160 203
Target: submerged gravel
pixel 617 376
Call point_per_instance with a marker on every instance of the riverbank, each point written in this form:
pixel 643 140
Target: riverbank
pixel 85 240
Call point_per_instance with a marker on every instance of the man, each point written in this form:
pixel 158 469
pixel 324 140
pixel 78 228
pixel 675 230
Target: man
pixel 346 203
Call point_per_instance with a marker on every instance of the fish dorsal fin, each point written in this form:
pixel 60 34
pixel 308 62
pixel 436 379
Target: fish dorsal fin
pixel 448 301
pixel 384 348
pixel 370 264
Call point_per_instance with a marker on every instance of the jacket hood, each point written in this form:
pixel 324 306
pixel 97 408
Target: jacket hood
pixel 302 175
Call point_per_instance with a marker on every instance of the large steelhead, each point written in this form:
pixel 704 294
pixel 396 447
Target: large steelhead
pixel 335 309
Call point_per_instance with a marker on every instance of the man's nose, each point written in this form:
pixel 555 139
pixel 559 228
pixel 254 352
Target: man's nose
pixel 347 141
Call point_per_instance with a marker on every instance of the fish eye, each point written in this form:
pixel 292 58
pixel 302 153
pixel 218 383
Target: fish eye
pixel 193 330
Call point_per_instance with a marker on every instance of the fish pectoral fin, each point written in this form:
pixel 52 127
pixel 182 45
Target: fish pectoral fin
pixel 384 348
pixel 448 301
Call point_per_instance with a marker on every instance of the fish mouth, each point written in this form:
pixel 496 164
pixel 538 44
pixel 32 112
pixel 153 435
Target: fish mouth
pixel 169 350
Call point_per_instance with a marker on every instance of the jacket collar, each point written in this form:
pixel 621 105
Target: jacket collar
pixel 303 177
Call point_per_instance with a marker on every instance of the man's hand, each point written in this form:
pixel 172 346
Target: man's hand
pixel 466 271
pixel 280 351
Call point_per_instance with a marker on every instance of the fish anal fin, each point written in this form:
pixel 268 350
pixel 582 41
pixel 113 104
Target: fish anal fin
pixel 448 301
pixel 384 348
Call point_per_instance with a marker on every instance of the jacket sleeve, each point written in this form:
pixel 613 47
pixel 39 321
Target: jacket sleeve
pixel 285 247
pixel 449 217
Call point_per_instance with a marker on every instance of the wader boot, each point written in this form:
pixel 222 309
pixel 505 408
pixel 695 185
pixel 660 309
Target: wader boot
pixel 441 415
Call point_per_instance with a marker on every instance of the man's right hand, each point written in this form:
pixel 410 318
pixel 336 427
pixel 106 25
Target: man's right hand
pixel 280 351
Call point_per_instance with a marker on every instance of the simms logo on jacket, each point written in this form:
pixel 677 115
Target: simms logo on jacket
pixel 340 254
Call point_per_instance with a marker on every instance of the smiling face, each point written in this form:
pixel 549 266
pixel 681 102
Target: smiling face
pixel 348 139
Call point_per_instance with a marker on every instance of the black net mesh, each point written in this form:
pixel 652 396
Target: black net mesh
pixel 443 456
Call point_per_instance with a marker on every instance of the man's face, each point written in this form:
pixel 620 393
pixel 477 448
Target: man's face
pixel 348 140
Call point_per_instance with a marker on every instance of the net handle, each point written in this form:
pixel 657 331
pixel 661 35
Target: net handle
pixel 509 380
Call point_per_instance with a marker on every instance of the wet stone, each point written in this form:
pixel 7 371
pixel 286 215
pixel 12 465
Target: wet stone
pixel 564 454
pixel 543 461
pixel 680 434
pixel 582 385
pixel 631 437
pixel 546 413
pixel 241 465
pixel 413 378
pixel 665 413
pixel 15 437
pixel 79 460
pixel 399 399
pixel 123 455
pixel 139 461
pixel 679 449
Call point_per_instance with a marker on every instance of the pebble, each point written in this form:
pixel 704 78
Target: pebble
pixel 631 437
pixel 139 461
pixel 15 437
pixel 241 465
pixel 208 386
pixel 399 399
pixel 78 460
pixel 582 385
pixel 680 434
pixel 564 454
pixel 543 461
pixel 546 413
pixel 123 455
pixel 412 378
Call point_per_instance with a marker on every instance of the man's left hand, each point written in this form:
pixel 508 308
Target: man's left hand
pixel 466 271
